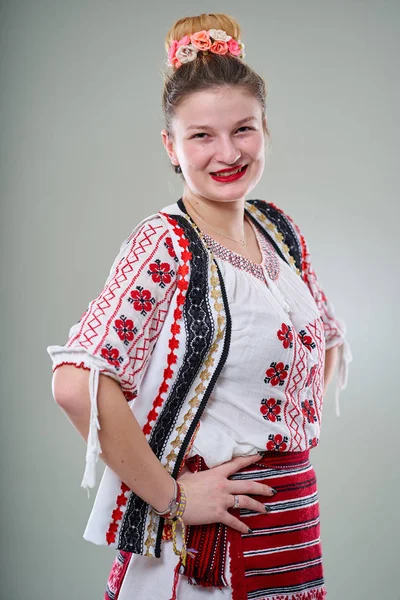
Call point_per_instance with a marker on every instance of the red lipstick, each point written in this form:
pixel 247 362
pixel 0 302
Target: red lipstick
pixel 228 178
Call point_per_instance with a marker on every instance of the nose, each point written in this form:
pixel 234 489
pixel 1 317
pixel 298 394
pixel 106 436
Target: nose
pixel 227 152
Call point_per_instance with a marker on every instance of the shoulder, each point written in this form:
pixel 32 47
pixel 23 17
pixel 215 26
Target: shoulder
pixel 274 213
pixel 148 230
pixel 275 220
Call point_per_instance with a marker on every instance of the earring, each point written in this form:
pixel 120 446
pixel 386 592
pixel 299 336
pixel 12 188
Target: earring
pixel 178 169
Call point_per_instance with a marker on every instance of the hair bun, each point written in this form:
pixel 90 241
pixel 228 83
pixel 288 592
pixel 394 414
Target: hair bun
pixel 203 43
pixel 190 25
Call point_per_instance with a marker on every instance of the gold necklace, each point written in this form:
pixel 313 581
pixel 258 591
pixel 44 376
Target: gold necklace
pixel 243 241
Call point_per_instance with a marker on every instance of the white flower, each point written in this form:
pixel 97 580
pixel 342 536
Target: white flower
pixel 218 34
pixel 186 53
pixel 241 45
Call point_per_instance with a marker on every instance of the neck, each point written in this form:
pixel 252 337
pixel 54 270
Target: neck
pixel 225 217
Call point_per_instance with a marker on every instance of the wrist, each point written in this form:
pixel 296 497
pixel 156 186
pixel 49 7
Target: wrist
pixel 164 502
pixel 176 505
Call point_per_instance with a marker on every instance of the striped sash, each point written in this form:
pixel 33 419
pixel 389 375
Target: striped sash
pixel 282 558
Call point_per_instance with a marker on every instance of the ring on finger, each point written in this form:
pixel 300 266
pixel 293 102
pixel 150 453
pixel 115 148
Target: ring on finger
pixel 235 501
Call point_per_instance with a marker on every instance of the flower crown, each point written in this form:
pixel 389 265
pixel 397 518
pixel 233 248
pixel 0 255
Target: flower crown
pixel 213 40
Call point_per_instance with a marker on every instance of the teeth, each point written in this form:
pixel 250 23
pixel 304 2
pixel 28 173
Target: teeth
pixel 227 173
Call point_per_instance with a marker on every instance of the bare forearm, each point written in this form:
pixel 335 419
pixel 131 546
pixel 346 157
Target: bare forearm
pixel 124 447
pixel 331 357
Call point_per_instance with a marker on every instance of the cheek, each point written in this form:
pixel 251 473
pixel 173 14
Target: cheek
pixel 258 148
pixel 195 156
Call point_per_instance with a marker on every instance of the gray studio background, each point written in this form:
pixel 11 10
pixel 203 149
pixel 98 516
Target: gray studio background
pixel 81 162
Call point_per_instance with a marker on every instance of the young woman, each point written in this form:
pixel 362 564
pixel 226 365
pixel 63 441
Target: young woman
pixel 198 373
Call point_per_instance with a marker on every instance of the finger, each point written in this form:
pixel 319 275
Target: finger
pixel 235 523
pixel 245 502
pixel 252 488
pixel 235 464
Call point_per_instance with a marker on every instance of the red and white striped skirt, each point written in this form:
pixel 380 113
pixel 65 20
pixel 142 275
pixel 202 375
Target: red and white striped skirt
pixel 280 560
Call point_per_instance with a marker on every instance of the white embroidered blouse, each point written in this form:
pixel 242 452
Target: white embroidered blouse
pixel 270 391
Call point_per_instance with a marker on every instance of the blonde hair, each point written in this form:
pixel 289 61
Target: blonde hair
pixel 189 25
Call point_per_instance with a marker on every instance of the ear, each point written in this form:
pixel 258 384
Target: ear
pixel 169 146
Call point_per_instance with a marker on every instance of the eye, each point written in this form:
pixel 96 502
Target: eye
pixel 196 135
pixel 245 127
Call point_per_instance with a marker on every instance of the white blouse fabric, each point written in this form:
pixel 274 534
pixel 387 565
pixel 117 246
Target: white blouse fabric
pixel 269 393
pixel 270 390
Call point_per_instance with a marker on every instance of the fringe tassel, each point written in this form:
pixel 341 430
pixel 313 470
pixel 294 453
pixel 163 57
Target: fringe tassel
pixel 176 580
pixel 93 449
pixel 238 582
pixel 345 357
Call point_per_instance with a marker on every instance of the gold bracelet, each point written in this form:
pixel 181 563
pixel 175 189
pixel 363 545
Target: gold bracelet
pixel 184 552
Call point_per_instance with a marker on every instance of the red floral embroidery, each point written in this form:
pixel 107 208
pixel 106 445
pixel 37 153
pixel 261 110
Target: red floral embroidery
pixel 112 356
pixel 270 409
pixel 313 442
pixel 311 375
pixel 142 300
pixel 276 374
pixel 307 340
pixel 125 329
pixel 309 411
pixel 160 272
pixel 277 442
pixel 114 579
pixel 173 344
pixel 117 514
pixel 286 336
pixel 168 244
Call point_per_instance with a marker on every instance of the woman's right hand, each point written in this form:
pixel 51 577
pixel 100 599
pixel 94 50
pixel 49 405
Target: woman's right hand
pixel 209 494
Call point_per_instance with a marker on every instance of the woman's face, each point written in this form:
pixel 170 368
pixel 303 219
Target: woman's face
pixel 213 131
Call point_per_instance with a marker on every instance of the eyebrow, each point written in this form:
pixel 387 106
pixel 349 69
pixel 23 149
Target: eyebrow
pixel 209 126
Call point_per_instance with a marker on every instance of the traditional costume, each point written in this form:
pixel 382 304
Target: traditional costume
pixel 218 357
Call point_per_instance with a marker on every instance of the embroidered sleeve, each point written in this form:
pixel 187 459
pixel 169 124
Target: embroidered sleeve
pixel 118 331
pixel 334 328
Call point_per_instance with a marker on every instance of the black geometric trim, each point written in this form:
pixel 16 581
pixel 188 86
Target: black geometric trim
pixel 207 393
pixel 199 327
pixel 210 387
pixel 214 377
pixel 284 226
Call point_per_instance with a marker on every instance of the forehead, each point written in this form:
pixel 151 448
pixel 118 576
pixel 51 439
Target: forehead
pixel 216 107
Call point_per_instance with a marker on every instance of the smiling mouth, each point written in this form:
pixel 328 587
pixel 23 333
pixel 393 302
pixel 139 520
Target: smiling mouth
pixel 229 172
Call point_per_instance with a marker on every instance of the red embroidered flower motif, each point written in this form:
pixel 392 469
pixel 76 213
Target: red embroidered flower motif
pixel 142 300
pixel 270 409
pixel 311 375
pixel 276 374
pixel 277 442
pixel 307 340
pixel 313 442
pixel 125 328
pixel 161 272
pixel 286 336
pixel 114 579
pixel 309 411
pixel 168 244
pixel 112 356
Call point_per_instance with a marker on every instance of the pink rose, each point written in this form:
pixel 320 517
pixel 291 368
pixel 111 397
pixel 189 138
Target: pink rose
pixel 175 62
pixel 185 41
pixel 219 47
pixel 172 50
pixel 234 47
pixel 201 40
